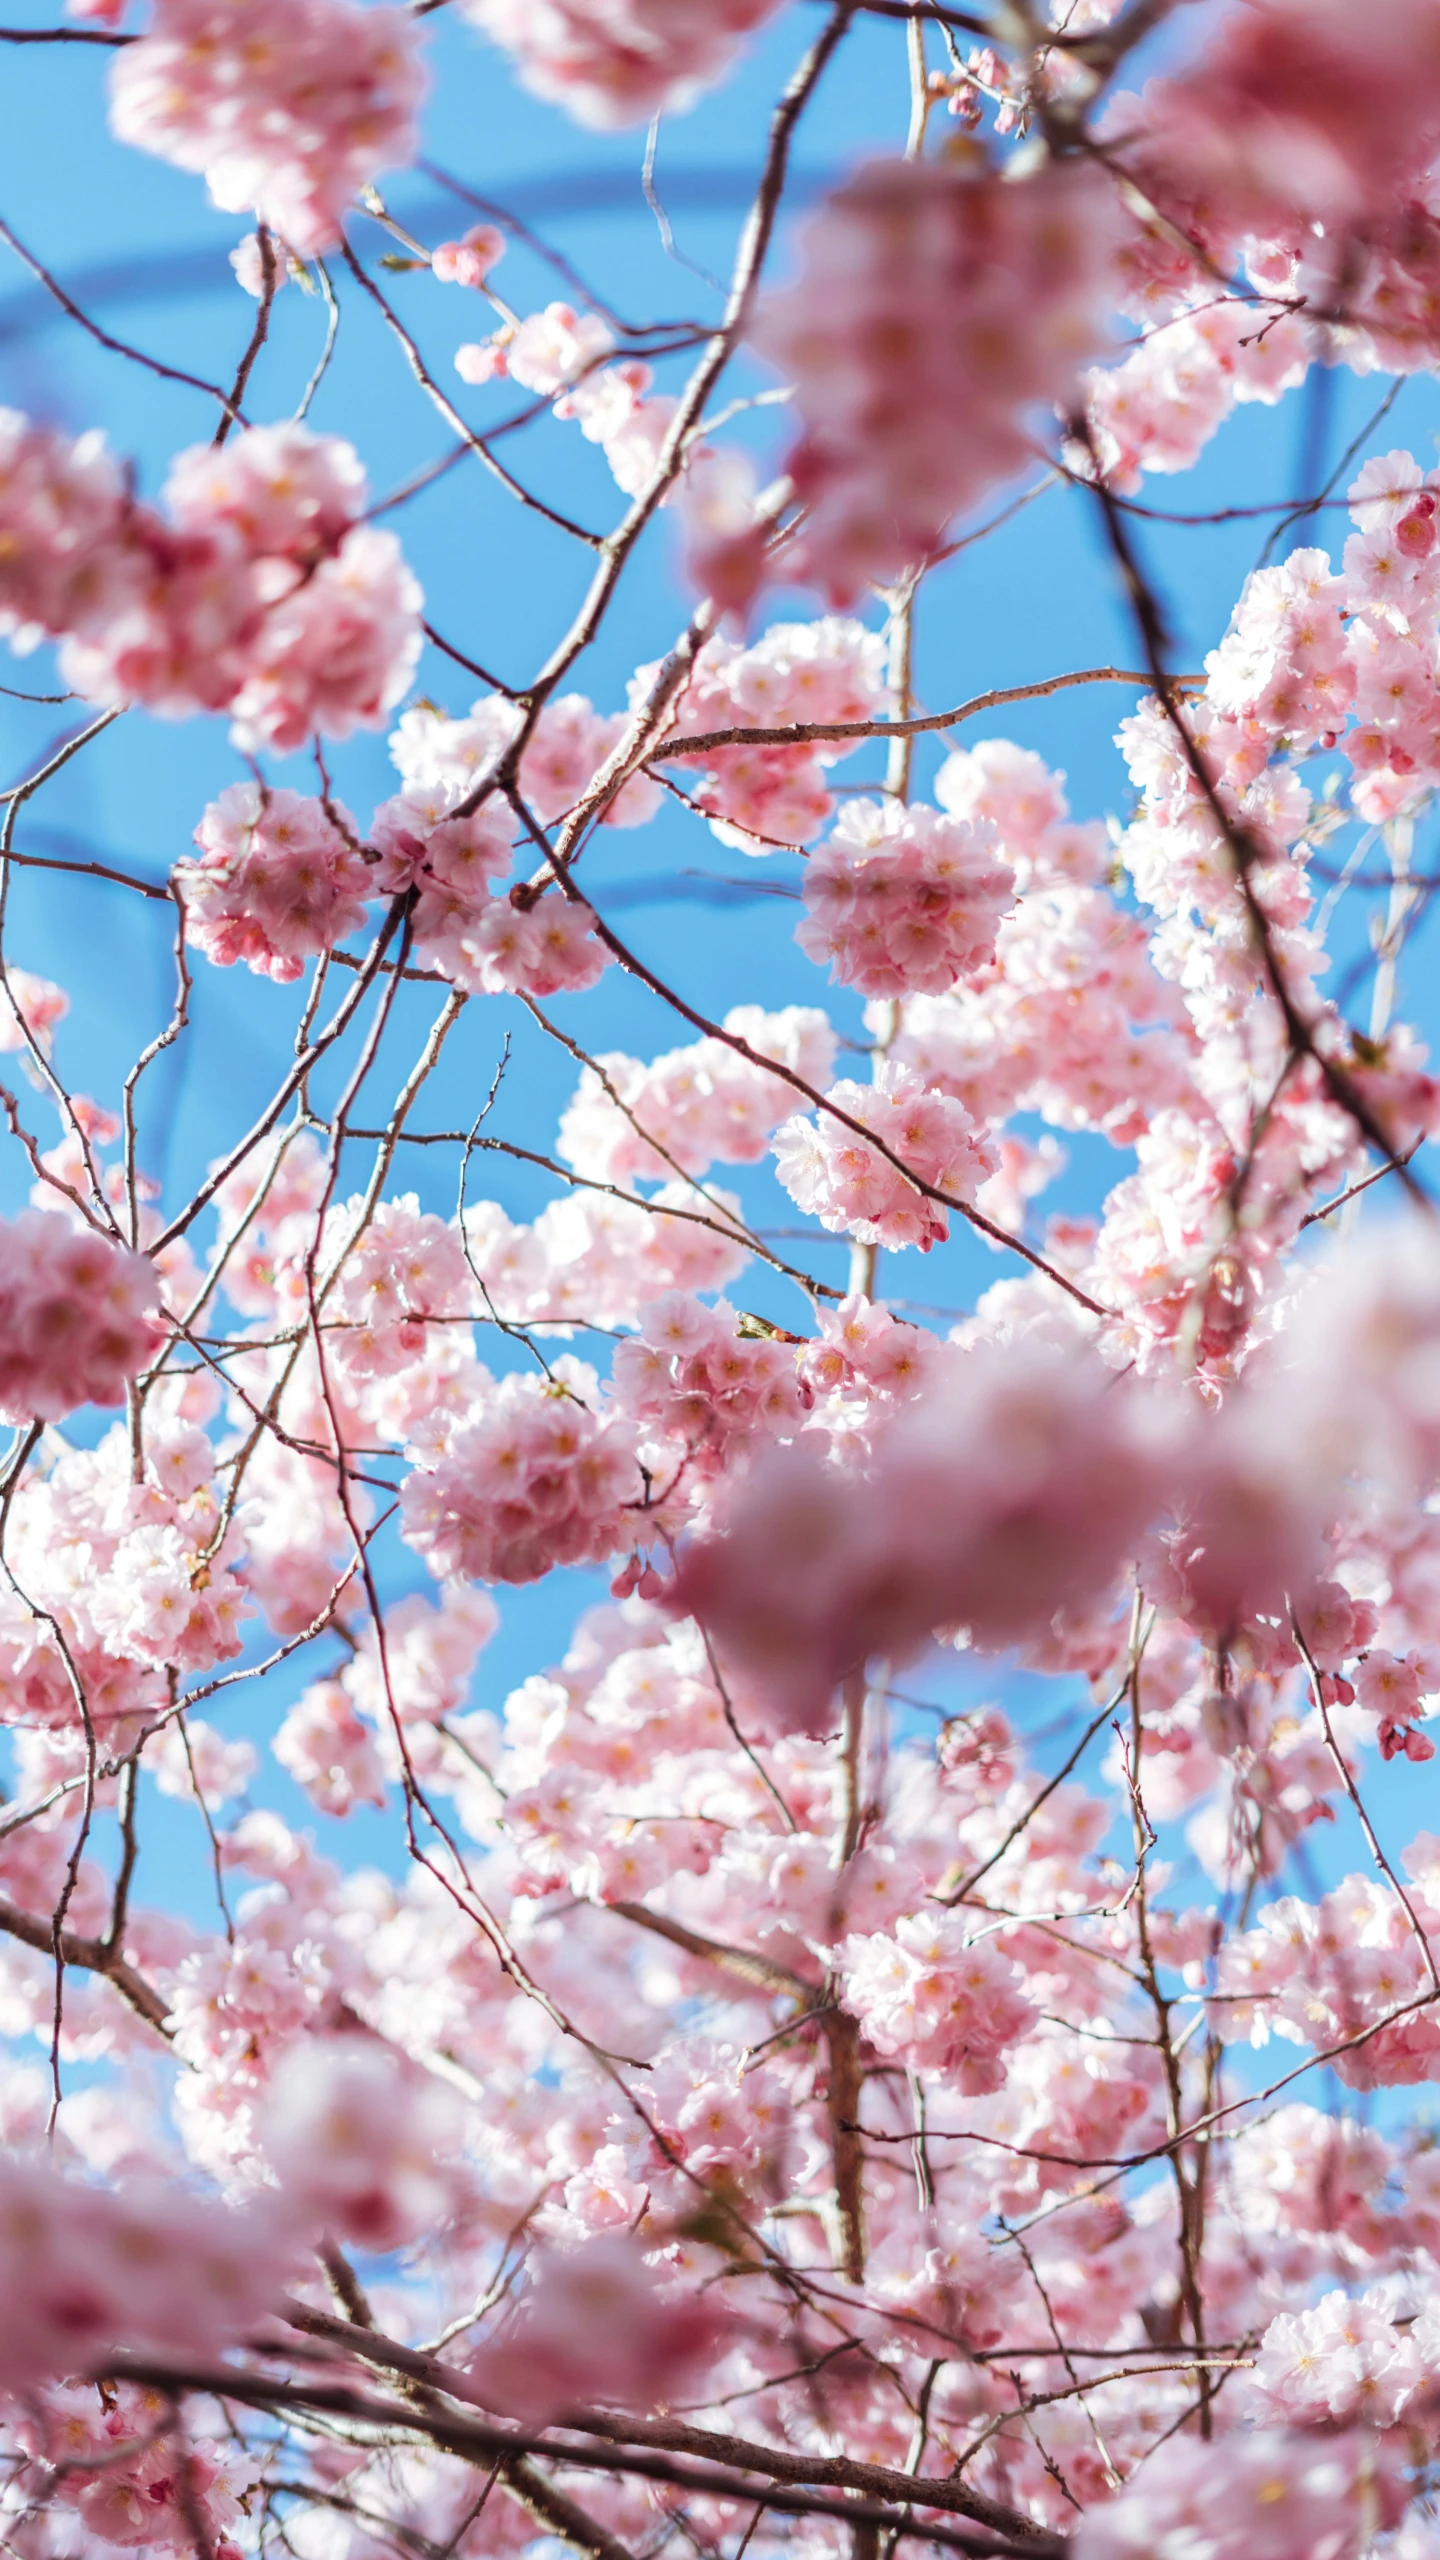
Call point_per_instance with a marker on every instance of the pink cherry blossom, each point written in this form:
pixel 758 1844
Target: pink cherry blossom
pixel 260 593
pixel 1293 108
pixel 286 115
pixel 361 2140
pixel 1341 2362
pixel 626 64
pixel 759 796
pixel 853 1189
pixel 569 743
pixel 288 494
pixel 944 2003
pixel 532 1475
pixel 1270 2494
pixel 820 1568
pixel 80 1316
pixel 913 382
pixel 688 1379
pixel 62 511
pixel 902 899
pixel 862 1349
pixel 335 651
pixel 470 260
pixel 278 879
pixel 87 2269
pixel 249 264
pixel 713 1101
pixel 398 1272
pixel 597 2323
pixel 36 1005
pixel 329 1752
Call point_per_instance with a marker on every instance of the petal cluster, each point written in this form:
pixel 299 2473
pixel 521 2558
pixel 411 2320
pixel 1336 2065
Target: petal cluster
pixel 258 591
pixel 904 900
pixel 286 112
pixel 938 304
pixel 79 1316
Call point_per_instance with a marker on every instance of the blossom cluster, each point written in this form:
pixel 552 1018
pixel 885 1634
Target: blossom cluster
pixel 803 1589
pixel 1271 2494
pixel 282 875
pixel 603 1255
pixel 346 1739
pixel 852 1187
pixel 560 353
pixel 624 63
pixel 89 2270
pixel 259 592
pixel 79 1316
pixel 276 881
pixel 950 2006
pixel 913 371
pixel 1072 1018
pixel 1289 166
pixel 287 114
pixel 714 1101
pixel 529 1477
pixel 904 900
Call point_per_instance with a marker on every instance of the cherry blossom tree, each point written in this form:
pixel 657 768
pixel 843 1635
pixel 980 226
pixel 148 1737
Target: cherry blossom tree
pixel 745 2103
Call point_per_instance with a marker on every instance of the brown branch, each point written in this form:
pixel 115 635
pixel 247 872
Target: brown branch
pixel 62 35
pixel 315 1049
pixel 635 2445
pixel 844 2078
pixel 451 414
pixel 957 1887
pixel 628 755
pixel 271 279
pixel 745 1236
pixel 933 12
pixel 746 1963
pixel 837 2471
pixel 89 871
pixel 1347 1780
pixel 805 732
pixel 90 1955
pixel 1327 1209
pixel 102 337
pixel 558 2514
pixel 843 2084
pixel 424 2381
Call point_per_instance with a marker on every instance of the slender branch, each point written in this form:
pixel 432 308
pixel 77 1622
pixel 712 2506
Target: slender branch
pixel 102 337
pixel 90 1955
pixel 451 415
pixel 750 257
pixel 473 2438
pixel 746 1963
pixel 63 35
pixel 555 2512
pixel 674 2435
pixel 270 281
pixel 804 732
